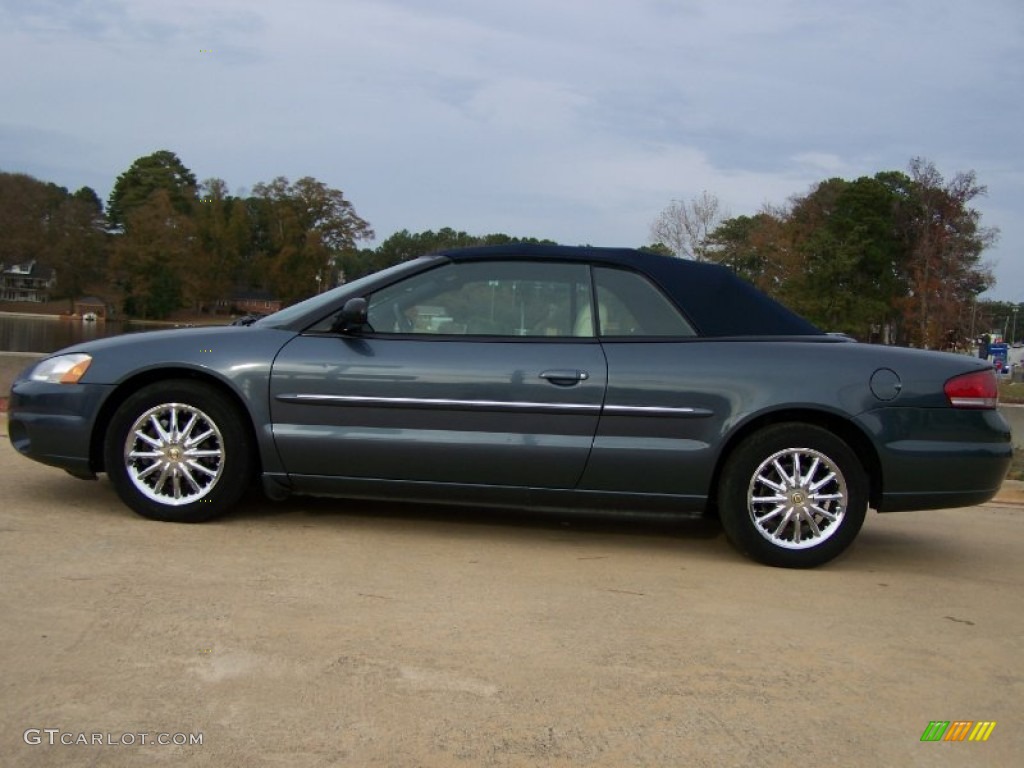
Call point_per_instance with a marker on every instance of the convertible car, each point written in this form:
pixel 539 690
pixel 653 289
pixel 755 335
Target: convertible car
pixel 530 376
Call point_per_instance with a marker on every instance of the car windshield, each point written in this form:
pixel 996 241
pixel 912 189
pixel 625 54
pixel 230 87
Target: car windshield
pixel 328 299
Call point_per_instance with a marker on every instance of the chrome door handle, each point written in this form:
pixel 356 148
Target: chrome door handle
pixel 565 378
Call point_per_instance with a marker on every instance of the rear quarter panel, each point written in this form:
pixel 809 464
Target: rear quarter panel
pixel 724 388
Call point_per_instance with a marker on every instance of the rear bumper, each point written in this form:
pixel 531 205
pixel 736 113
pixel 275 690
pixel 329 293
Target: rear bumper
pixel 53 423
pixel 934 458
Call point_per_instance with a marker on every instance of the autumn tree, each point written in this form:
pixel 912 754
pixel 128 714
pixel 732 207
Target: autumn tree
pixel 945 241
pixel 754 247
pixel 224 237
pixel 27 206
pixel 153 256
pixel 42 222
pixel 78 244
pixel 173 242
pixel 845 274
pixel 895 257
pixel 302 229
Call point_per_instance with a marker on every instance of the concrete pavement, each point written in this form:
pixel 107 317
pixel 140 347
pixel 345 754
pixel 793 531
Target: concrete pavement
pixel 332 633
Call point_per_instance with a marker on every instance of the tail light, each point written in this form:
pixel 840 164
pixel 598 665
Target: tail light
pixel 973 390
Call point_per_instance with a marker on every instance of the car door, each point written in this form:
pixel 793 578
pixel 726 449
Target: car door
pixel 668 394
pixel 483 373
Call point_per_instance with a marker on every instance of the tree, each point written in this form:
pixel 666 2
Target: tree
pixel 223 232
pixel 173 241
pixel 945 241
pixel 685 228
pixel 88 196
pixel 42 222
pixel 78 244
pixel 659 249
pixel 753 247
pixel 999 316
pixel 27 206
pixel 404 245
pixel 157 250
pixel 848 256
pixel 302 229
pixel 162 170
pixel 893 257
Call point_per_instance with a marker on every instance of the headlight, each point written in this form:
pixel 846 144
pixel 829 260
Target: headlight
pixel 64 369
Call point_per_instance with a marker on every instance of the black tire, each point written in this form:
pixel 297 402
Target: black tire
pixel 793 496
pixel 192 455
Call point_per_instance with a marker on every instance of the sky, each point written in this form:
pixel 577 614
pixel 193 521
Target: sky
pixel 573 120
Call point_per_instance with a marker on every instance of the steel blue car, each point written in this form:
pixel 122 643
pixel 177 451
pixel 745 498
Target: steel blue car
pixel 530 376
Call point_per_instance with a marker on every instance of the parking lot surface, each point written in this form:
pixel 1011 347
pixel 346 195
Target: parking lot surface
pixel 321 633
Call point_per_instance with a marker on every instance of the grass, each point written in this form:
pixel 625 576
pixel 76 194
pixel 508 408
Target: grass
pixel 1016 466
pixel 1011 392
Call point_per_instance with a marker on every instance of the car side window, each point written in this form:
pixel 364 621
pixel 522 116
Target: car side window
pixel 630 305
pixel 489 298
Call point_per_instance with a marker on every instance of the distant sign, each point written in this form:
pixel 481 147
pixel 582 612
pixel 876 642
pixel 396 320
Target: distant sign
pixel 999 353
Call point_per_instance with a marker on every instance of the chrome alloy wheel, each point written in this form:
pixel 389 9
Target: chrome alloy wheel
pixel 797 498
pixel 174 454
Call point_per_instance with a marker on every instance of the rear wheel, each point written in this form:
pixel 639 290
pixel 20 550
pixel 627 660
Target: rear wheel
pixel 178 451
pixel 793 495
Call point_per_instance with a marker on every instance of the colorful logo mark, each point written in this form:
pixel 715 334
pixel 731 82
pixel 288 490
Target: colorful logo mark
pixel 958 730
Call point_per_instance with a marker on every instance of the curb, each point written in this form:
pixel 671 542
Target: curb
pixel 1011 492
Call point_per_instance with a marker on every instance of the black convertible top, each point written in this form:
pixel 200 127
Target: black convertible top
pixel 716 300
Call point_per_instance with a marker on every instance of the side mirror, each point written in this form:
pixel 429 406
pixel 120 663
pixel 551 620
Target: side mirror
pixel 353 317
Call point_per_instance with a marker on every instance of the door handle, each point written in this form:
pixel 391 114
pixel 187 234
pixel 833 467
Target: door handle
pixel 565 378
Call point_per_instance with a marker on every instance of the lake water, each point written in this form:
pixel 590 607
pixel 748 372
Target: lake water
pixel 20 333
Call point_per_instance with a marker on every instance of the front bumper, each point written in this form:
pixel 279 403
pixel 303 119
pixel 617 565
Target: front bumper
pixel 53 423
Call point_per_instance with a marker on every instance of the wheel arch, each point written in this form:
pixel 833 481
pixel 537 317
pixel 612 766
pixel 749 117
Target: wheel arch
pixel 839 425
pixel 130 386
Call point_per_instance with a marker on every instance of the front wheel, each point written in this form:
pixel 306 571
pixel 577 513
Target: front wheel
pixel 178 451
pixel 792 495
